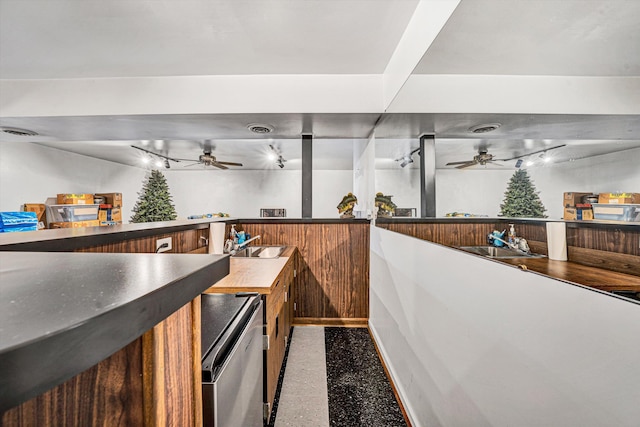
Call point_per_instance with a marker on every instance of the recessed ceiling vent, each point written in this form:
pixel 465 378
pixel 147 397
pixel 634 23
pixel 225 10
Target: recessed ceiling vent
pixel 18 132
pixel 259 128
pixel 484 128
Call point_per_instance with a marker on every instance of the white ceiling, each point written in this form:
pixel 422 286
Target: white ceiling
pixel 538 37
pixel 67 39
pixel 61 39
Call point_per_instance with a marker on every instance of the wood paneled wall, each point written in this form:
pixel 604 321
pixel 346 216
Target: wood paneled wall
pixel 332 285
pixel 611 248
pixel 468 233
pixel 610 239
pixel 182 242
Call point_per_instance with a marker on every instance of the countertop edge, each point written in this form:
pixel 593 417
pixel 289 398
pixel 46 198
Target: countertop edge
pixel 25 373
pixel 288 253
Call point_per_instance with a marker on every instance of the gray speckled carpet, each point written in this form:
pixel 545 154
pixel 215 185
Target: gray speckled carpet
pixel 359 391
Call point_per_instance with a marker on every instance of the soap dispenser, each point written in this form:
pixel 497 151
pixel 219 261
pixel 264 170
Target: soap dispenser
pixel 512 234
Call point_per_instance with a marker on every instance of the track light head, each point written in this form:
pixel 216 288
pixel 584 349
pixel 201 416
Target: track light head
pixel 406 160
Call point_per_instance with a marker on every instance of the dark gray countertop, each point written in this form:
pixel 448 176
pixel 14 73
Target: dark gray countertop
pixel 61 313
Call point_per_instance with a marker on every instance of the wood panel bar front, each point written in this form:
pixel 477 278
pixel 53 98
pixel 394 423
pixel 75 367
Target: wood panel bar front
pixel 332 271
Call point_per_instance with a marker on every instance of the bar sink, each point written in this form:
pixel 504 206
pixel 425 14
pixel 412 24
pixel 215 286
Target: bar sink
pixel 264 252
pixel 496 252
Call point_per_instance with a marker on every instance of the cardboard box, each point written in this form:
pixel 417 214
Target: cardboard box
pixel 116 214
pixel 579 214
pixel 75 224
pixel 39 208
pixel 619 198
pixel 572 199
pixel 110 214
pixel 75 199
pixel 570 213
pixel 113 199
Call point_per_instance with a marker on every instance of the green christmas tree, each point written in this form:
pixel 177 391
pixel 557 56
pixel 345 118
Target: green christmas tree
pixel 521 199
pixel 154 201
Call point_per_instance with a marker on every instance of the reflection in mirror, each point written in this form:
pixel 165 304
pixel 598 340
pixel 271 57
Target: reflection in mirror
pixel 472 174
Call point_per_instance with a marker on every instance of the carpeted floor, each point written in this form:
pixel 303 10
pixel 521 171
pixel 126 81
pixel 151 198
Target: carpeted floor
pixel 359 391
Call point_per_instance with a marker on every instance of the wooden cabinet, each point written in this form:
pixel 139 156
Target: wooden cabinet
pixel 277 327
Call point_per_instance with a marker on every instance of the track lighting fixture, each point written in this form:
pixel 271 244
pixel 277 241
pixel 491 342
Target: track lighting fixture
pixel 275 155
pixel 166 164
pixel 407 158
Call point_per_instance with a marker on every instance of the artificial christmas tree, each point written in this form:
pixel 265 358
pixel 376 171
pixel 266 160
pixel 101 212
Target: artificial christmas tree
pixel 521 199
pixel 154 201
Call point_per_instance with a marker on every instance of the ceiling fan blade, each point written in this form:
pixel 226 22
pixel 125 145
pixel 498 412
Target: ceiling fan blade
pixel 219 165
pixel 192 164
pixel 529 154
pixel 230 163
pixel 459 163
pixel 157 154
pixel 467 164
pixel 494 162
pixel 186 160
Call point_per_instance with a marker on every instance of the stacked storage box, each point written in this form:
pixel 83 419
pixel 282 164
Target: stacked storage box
pixel 575 209
pixel 618 207
pixel 111 210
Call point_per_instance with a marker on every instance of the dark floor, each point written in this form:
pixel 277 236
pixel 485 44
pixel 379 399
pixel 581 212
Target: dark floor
pixel 359 391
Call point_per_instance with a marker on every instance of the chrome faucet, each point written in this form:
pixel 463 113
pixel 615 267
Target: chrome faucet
pixel 246 242
pixel 520 245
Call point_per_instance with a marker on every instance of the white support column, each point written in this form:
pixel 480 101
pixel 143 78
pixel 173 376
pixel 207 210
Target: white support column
pixel 364 156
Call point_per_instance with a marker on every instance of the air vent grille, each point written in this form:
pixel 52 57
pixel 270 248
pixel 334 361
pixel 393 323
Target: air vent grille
pixel 260 128
pixel 18 131
pixel 484 128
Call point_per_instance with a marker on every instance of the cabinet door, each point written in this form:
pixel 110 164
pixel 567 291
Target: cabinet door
pixel 275 331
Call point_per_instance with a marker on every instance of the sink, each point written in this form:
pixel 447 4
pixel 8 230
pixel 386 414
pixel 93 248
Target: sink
pixel 495 252
pixel 264 252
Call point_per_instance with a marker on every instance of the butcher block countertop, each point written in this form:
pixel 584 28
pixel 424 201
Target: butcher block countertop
pixel 253 274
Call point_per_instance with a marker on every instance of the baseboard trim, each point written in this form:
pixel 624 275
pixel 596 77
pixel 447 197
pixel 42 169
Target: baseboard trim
pixel 331 321
pixel 388 374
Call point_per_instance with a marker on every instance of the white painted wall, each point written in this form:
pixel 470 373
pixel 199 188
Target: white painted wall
pixel 402 184
pixel 329 187
pixel 364 158
pixel 243 193
pixel 31 173
pixel 481 191
pixel 465 349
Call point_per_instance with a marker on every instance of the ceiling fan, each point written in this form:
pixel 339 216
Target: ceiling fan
pixel 206 158
pixel 532 153
pixel 482 158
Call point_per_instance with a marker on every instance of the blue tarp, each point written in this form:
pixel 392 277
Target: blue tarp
pixel 18 221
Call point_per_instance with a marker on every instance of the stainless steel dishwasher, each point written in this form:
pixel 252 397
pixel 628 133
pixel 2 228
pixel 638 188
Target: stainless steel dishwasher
pixel 232 360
